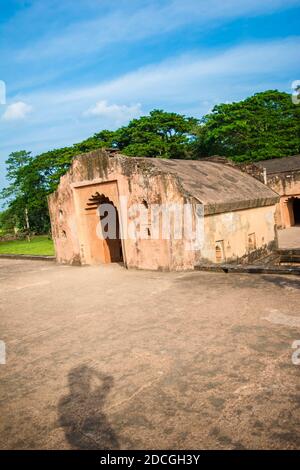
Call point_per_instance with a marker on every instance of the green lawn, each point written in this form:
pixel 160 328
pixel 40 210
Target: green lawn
pixel 39 245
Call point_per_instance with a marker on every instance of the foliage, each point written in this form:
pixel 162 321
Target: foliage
pixel 8 222
pixel 161 134
pixel 32 179
pixel 263 126
pixel 26 191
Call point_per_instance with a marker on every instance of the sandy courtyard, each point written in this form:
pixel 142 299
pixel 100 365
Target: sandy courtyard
pixel 104 358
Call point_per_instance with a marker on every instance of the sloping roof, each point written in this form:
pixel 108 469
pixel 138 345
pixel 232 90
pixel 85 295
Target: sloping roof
pixel 281 165
pixel 220 187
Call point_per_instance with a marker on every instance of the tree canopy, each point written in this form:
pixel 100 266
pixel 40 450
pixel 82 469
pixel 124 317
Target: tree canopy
pixel 263 126
pixel 161 134
pixel 25 194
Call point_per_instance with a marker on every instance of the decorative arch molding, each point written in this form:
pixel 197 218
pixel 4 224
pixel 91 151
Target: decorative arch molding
pixel 96 199
pixel 97 244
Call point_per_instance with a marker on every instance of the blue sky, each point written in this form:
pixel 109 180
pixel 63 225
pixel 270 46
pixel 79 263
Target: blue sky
pixel 72 68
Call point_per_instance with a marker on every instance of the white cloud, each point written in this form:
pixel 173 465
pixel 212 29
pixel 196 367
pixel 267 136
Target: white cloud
pixel 189 84
pixel 17 110
pixel 115 112
pixel 186 79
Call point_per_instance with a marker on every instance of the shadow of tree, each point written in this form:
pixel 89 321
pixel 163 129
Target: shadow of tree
pixel 81 411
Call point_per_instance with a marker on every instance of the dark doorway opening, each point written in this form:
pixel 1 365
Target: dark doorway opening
pixel 296 210
pixel 110 244
pixel 113 241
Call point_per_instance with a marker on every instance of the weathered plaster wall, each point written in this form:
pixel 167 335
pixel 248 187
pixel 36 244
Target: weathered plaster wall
pixel 137 182
pixel 74 228
pixel 287 185
pixel 239 234
pixel 284 183
pixel 64 225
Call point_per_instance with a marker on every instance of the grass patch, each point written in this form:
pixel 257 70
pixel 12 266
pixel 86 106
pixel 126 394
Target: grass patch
pixel 40 245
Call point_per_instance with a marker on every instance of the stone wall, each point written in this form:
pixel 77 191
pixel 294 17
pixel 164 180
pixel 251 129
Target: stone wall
pixel 230 236
pixel 239 236
pixel 137 182
pixel 284 183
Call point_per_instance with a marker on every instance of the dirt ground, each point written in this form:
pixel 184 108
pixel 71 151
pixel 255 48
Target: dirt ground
pixel 289 238
pixel 105 358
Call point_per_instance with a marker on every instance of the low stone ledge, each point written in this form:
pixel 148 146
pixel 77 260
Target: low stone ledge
pixel 288 251
pixel 28 257
pixel 241 268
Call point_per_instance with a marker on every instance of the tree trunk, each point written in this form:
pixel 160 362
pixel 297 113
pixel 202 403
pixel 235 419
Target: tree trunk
pixel 27 225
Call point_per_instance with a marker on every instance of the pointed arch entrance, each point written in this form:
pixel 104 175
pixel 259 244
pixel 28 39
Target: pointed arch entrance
pixel 106 215
pixel 291 211
pixel 92 202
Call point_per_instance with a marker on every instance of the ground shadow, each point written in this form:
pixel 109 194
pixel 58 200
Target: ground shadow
pixel 283 282
pixel 81 411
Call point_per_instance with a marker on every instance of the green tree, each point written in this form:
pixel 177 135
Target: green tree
pixel 25 195
pixel 55 163
pixel 263 126
pixel 31 179
pixel 8 222
pixel 161 134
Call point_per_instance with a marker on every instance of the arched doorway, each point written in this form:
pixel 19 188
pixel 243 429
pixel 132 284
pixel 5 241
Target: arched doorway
pixel 105 242
pixel 296 210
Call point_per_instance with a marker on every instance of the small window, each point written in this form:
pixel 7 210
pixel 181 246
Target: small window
pixel 219 249
pixel 251 242
pixel 218 254
pixel 61 214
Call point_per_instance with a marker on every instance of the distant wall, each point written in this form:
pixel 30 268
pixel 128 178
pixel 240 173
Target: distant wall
pixel 286 184
pixel 239 235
